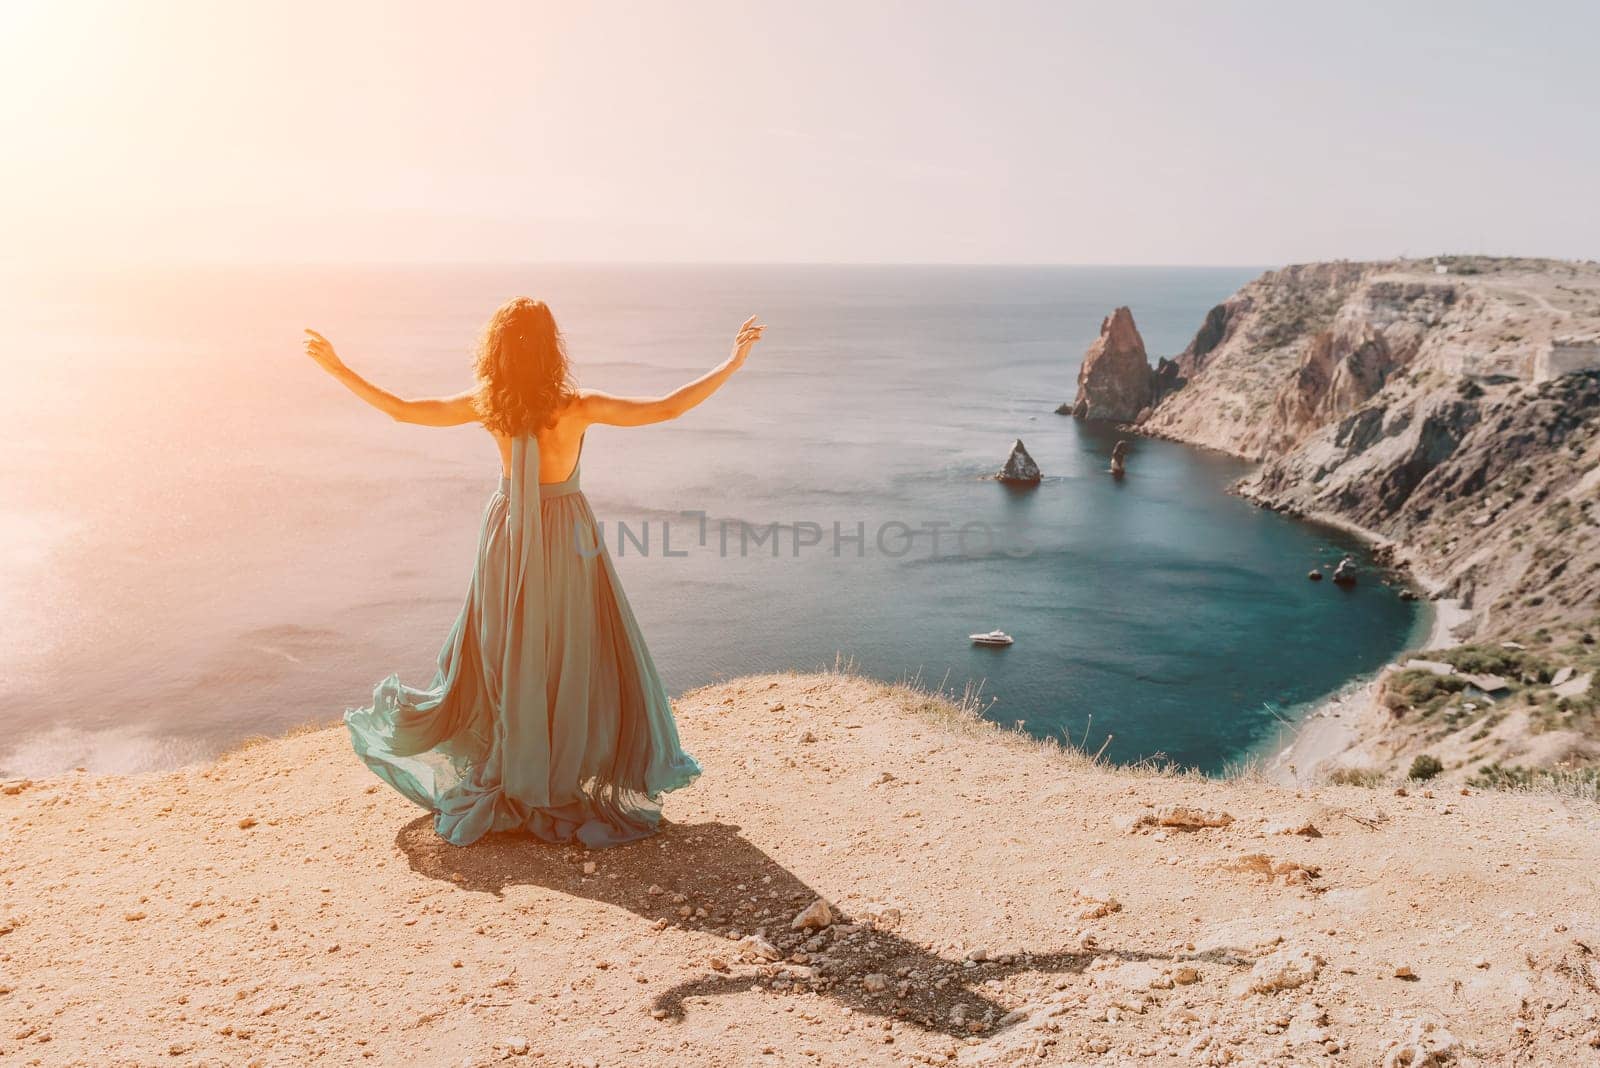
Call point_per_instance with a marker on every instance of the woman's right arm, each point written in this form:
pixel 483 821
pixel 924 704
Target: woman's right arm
pixel 597 407
pixel 428 411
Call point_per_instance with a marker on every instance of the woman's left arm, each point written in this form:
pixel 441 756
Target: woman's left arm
pixel 427 411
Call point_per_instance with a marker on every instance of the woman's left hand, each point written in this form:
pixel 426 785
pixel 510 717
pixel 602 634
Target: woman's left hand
pixel 750 332
pixel 320 349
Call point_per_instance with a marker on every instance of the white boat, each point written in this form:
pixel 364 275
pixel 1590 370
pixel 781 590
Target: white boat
pixel 994 637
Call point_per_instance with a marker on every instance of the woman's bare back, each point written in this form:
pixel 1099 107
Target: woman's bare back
pixel 559 447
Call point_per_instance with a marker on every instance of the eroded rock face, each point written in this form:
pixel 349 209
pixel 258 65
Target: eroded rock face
pixel 1213 331
pixel 1244 355
pixel 1115 382
pixel 1020 468
pixel 1166 380
pixel 1375 334
pixel 1488 486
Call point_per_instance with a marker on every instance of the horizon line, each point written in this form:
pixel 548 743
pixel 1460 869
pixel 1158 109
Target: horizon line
pixel 114 264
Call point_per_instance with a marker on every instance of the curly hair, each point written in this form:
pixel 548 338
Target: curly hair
pixel 523 377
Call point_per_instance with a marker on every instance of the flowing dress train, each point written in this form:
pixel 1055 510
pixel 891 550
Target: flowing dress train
pixel 546 714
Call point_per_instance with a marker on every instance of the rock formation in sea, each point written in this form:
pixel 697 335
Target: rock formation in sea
pixel 1450 414
pixel 1020 468
pixel 1115 380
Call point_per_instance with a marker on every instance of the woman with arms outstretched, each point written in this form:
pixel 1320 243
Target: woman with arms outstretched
pixel 546 714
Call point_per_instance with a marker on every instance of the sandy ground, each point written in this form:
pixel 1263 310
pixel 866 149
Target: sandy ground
pixel 996 902
pixel 1328 731
pixel 1337 726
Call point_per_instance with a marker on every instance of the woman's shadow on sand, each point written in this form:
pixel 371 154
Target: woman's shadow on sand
pixel 725 883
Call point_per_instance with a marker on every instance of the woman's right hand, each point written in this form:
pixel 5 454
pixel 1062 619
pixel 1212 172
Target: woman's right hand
pixel 600 407
pixel 749 334
pixel 320 349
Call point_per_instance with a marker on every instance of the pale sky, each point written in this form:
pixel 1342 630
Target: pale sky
pixel 1042 132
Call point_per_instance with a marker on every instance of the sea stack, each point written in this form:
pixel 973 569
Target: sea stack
pixel 1345 573
pixel 1020 470
pixel 1119 456
pixel 1114 383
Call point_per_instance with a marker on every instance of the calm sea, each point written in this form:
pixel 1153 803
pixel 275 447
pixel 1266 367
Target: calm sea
pixel 204 538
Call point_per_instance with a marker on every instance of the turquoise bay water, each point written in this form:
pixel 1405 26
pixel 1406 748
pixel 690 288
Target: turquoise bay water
pixel 206 539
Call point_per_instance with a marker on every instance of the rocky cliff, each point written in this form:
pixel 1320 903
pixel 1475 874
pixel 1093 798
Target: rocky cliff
pixel 1115 381
pixel 1491 492
pixel 1449 408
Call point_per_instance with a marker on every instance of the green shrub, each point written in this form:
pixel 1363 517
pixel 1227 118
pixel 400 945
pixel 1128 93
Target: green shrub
pixel 1424 767
pixel 1416 688
pixel 1514 664
pixel 1492 660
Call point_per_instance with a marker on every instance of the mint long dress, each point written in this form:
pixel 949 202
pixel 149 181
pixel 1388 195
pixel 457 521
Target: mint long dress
pixel 546 714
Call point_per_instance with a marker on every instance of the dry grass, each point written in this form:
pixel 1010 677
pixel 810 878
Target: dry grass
pixel 244 745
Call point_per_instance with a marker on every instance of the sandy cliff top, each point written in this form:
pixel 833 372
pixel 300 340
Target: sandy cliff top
pixel 1006 904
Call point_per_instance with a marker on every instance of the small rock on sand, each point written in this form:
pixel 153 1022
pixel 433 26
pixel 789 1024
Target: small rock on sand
pixel 754 946
pixel 1428 1044
pixel 1284 969
pixel 818 914
pixel 1307 1024
pixel 1185 817
pixel 1576 686
pixel 1180 817
pixel 1096 908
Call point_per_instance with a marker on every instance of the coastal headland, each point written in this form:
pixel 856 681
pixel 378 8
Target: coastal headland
pixel 1448 410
